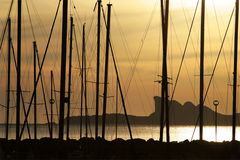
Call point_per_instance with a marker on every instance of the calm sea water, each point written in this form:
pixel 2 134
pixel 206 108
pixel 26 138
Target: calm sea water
pixel 177 133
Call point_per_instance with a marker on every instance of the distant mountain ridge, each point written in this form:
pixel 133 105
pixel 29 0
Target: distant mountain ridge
pixel 186 114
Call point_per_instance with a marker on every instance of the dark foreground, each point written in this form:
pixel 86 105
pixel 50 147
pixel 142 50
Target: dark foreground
pixel 116 149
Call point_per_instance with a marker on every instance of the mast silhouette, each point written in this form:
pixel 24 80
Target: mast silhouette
pixel 98 66
pixel 202 70
pixel 116 109
pixel 9 76
pixel 69 76
pixel 164 90
pixel 106 70
pixel 119 82
pixel 63 68
pixel 82 87
pixel 19 35
pixel 51 103
pixel 84 65
pixel 35 87
pixel 38 77
pixel 235 72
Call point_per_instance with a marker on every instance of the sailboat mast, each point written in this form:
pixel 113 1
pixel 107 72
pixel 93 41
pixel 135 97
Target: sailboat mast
pixel 63 68
pixel 82 84
pixel 98 66
pixel 84 63
pixel 19 28
pixel 35 87
pixel 116 108
pixel 9 76
pixel 166 73
pixel 69 77
pixel 235 72
pixel 51 103
pixel 202 70
pixel 106 71
pixel 164 90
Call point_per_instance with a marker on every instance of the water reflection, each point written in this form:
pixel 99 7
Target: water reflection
pixel 177 133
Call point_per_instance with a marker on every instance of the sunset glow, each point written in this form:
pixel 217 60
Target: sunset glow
pixel 135 32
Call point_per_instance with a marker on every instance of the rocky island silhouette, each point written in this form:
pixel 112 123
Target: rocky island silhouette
pixel 177 113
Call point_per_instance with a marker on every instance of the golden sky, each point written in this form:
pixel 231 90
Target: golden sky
pixel 135 30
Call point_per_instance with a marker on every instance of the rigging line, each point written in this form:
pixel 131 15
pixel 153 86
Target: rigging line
pixel 185 51
pixel 118 79
pixel 220 51
pixel 123 39
pixel 186 68
pixel 90 27
pixel 78 17
pixel 157 71
pixel 123 36
pixel 141 97
pixel 40 24
pixel 24 107
pixel 55 96
pixel 44 95
pixel 5 27
pixel 5 107
pixel 211 56
pixel 229 81
pixel 30 19
pixel 25 60
pixel 78 53
pixel 194 130
pixel 228 70
pixel 214 69
pixel 130 58
pixel 119 84
pixel 41 67
pixel 194 49
pixel 105 23
pixel 131 73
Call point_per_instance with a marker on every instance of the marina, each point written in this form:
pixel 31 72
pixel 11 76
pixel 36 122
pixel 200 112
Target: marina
pixel 72 89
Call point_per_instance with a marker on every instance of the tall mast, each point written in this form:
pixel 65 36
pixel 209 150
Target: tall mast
pixel 18 69
pixel 119 86
pixel 166 73
pixel 164 91
pixel 235 72
pixel 98 67
pixel 202 70
pixel 82 83
pixel 116 108
pixel 35 87
pixel 63 68
pixel 106 71
pixel 84 64
pixel 51 103
pixel 9 76
pixel 69 77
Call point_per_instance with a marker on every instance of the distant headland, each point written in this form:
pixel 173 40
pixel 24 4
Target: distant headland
pixel 186 114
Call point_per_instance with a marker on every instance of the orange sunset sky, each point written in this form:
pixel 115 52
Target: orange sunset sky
pixel 136 37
